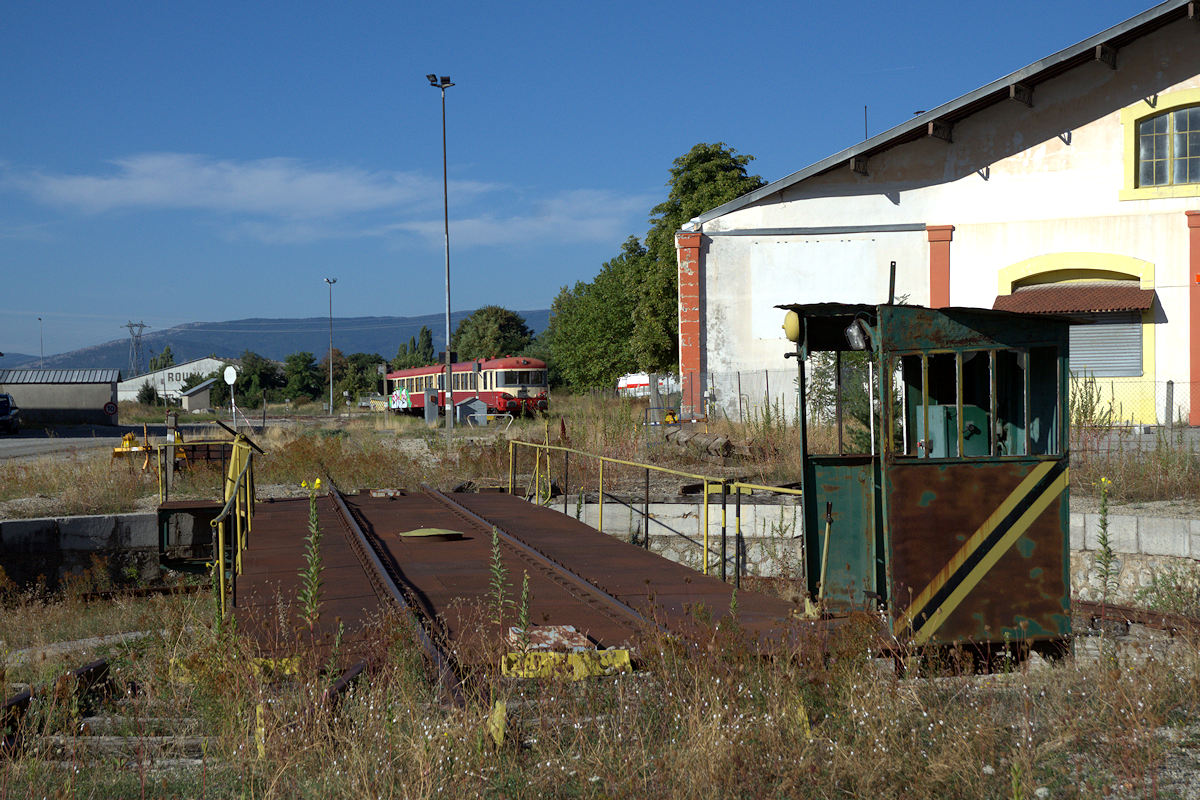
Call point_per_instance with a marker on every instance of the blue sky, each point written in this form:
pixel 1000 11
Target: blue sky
pixel 183 161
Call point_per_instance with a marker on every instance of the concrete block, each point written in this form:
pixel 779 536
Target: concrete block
pixel 1122 532
pixel 28 536
pixel 1164 536
pixel 1194 535
pixel 87 533
pixel 138 531
pixel 1077 532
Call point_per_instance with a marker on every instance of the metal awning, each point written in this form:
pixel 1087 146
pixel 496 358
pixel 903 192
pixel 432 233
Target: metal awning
pixel 1076 298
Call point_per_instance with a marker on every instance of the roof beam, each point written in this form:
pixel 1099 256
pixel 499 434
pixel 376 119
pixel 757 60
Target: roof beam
pixel 858 164
pixel 1106 54
pixel 1021 92
pixel 940 129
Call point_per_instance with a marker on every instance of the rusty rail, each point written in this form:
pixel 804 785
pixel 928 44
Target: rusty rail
pixel 388 583
pixel 579 583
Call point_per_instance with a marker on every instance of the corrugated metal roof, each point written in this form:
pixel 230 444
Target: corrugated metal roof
pixel 955 110
pixel 199 387
pixel 15 376
pixel 1070 298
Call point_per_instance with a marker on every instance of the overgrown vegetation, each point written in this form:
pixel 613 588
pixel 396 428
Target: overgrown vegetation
pixel 709 720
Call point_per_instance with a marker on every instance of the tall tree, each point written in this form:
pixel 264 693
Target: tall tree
pixel 705 177
pixel 489 332
pixel 301 376
pixel 256 377
pixel 362 374
pixel 163 360
pixel 424 352
pixel 591 324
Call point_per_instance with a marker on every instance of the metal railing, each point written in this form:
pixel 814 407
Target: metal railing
pixel 238 512
pixel 711 486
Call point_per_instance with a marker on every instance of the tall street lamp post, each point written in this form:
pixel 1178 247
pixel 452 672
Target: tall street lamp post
pixel 331 282
pixel 444 83
pixel 41 344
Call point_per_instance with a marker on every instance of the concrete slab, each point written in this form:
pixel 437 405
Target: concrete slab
pixel 1164 536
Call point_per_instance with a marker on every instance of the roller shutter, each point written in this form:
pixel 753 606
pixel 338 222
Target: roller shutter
pixel 1111 347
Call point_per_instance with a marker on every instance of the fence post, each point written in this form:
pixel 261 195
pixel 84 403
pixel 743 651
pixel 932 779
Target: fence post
pixel 724 499
pixel 1169 411
pixel 600 499
pixel 566 477
pixel 511 453
pixel 705 518
pixel 646 511
pixel 737 539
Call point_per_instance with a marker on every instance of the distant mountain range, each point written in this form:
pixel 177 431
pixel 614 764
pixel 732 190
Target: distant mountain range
pixel 271 338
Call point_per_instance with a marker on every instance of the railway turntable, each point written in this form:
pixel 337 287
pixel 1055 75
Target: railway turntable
pixel 472 567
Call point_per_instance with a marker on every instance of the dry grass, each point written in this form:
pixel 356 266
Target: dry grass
pixel 703 721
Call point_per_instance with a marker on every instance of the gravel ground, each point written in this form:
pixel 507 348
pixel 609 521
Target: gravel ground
pixel 1183 509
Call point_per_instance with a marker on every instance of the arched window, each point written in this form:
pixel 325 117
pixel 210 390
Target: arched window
pixel 1169 148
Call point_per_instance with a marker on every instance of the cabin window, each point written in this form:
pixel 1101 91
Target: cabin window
pixel 981 403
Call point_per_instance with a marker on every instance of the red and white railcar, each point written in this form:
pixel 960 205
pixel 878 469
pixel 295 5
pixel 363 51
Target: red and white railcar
pixel 512 385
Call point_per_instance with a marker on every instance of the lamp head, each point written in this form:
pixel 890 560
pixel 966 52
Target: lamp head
pixel 432 79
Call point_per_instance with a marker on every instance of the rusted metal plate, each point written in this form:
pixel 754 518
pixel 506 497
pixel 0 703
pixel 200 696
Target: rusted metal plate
pixel 270 579
pixel 978 550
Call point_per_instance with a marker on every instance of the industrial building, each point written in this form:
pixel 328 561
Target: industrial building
pixel 1070 186
pixel 63 396
pixel 168 382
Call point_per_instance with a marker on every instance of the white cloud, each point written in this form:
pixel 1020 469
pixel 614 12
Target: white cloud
pixel 288 201
pixel 270 187
pixel 571 215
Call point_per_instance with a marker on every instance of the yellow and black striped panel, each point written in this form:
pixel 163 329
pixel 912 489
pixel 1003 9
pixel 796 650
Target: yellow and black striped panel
pixel 1031 587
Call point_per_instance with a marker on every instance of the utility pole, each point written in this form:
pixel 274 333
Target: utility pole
pixel 331 282
pixel 444 83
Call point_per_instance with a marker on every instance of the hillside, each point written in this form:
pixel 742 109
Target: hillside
pixel 272 338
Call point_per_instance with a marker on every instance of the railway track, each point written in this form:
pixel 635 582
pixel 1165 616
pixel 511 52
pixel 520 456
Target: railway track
pixel 455 639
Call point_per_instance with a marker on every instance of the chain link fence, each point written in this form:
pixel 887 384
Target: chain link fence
pixel 746 395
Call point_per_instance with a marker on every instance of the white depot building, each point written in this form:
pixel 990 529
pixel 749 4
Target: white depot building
pixel 1070 186
pixel 168 382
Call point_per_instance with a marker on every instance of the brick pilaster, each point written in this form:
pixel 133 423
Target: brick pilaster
pixel 940 237
pixel 687 246
pixel 1193 221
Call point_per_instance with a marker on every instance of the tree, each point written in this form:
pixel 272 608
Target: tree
pixel 705 177
pixel 256 377
pixel 301 376
pixel 339 367
pixel 417 353
pixel 147 395
pixel 163 360
pixel 490 332
pixel 362 374
pixel 424 352
pixel 591 324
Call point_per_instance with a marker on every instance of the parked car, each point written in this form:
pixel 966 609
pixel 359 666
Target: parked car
pixel 10 415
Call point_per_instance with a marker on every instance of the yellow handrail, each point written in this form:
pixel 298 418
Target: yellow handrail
pixel 733 487
pixel 239 502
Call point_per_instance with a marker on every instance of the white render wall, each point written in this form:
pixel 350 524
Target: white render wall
pixel 1017 182
pixel 168 382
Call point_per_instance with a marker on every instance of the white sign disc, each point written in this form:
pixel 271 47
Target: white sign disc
pixel 230 375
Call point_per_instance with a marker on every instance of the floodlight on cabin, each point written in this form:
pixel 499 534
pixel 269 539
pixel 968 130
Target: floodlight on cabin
pixel 858 334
